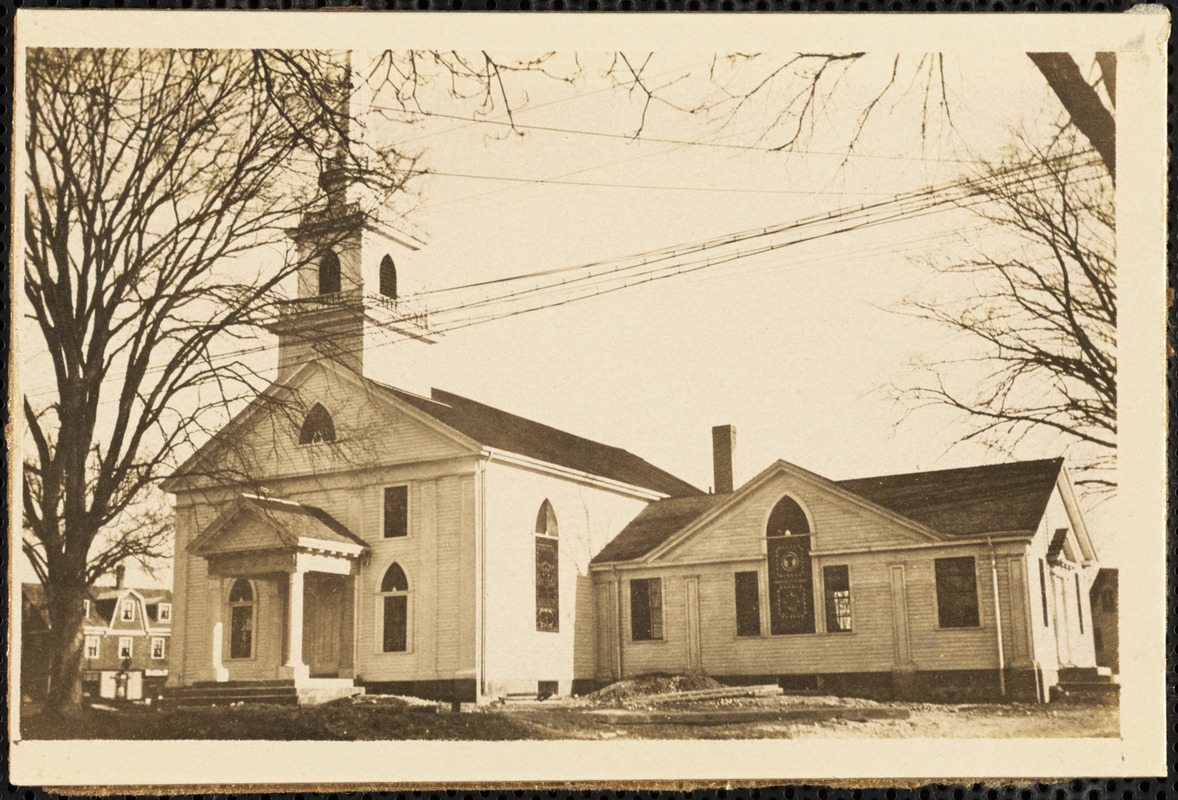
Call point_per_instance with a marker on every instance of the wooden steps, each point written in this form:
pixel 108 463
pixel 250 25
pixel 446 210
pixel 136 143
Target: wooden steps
pixel 1086 685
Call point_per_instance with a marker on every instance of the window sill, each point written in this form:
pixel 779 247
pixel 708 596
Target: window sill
pixel 648 641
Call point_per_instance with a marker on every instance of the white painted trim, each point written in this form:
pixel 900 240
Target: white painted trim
pixel 587 478
pixel 775 469
pixel 948 544
pixel 614 566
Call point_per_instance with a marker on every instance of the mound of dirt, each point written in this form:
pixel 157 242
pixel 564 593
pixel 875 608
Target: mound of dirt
pixel 645 685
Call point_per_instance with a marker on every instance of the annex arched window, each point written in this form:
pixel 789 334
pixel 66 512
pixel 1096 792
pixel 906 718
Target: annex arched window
pixel 394 608
pixel 547 570
pixel 329 274
pixel 791 582
pixel 388 278
pixel 318 426
pixel 241 619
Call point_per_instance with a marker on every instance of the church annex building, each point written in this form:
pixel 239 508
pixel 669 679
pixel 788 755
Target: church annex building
pixel 342 535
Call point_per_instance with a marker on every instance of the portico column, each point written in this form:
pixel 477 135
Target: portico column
pixel 295 668
pixel 216 606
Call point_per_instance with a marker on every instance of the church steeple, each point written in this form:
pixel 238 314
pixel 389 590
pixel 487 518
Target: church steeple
pixel 347 281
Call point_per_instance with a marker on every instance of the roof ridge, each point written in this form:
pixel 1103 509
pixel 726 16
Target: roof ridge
pixel 1000 464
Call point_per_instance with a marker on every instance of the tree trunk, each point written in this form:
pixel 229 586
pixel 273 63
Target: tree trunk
pixel 1082 102
pixel 65 650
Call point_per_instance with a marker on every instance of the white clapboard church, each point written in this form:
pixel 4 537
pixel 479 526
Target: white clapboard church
pixel 343 535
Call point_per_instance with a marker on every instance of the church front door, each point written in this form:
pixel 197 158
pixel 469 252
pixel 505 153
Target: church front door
pixel 322 623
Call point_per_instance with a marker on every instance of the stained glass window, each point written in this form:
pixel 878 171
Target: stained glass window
pixel 547 570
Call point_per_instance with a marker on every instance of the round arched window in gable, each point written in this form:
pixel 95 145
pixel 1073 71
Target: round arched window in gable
pixel 318 426
pixel 394 608
pixel 787 519
pixel 329 274
pixel 388 278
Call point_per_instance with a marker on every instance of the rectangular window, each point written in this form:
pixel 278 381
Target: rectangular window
pixel 128 610
pixel 165 612
pixel 396 623
pixel 85 608
pixel 157 647
pixel 748 604
pixel 646 609
pixel 92 646
pixel 241 632
pixel 396 512
pixel 957 592
pixel 836 582
pixel 1043 590
pixel 1079 602
pixel 125 646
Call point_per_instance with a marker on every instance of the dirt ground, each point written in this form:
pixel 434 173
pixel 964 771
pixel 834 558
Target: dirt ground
pixel 390 718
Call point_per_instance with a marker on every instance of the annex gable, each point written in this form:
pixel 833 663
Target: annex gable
pixel 837 519
pixel 371 429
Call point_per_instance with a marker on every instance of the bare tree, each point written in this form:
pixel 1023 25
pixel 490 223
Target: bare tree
pixel 147 173
pixel 1038 310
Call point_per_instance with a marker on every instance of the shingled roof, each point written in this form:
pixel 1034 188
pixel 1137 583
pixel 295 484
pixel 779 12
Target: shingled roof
pixel 969 501
pixel 956 502
pixel 499 429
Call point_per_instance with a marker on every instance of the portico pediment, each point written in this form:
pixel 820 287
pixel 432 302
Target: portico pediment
pixel 280 530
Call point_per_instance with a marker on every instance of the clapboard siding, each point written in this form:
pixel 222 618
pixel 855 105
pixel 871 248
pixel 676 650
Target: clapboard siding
pixel 439 583
pixel 869 647
pixel 370 431
pixel 836 523
pixel 518 655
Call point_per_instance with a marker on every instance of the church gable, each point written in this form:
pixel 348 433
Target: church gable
pixel 803 503
pixel 327 420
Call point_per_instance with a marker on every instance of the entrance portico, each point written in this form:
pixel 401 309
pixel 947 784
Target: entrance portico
pixel 282 582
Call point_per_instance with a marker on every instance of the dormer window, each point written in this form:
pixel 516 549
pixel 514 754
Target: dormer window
pixel 164 614
pixel 388 278
pixel 329 276
pixel 318 426
pixel 127 610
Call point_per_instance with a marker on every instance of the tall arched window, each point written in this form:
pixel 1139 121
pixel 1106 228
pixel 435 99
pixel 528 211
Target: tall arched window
pixel 394 590
pixel 791 583
pixel 318 426
pixel 388 278
pixel 241 619
pixel 547 570
pixel 329 281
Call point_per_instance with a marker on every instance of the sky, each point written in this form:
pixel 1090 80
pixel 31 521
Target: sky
pixel 799 349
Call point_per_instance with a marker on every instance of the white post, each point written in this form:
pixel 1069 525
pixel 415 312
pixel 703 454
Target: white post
pixel 217 606
pixel 295 668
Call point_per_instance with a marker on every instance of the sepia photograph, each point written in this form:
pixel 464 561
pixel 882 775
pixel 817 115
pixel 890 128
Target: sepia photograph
pixel 521 387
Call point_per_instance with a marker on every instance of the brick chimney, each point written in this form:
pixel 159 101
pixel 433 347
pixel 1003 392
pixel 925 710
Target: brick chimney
pixel 120 574
pixel 723 448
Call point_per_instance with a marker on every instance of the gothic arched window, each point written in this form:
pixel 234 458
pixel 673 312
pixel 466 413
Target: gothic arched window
pixel 388 278
pixel 791 583
pixel 394 605
pixel 329 280
pixel 318 426
pixel 547 570
pixel 241 619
